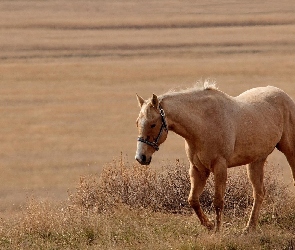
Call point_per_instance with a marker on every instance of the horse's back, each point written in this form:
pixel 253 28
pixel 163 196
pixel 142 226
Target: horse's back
pixel 271 94
pixel 269 98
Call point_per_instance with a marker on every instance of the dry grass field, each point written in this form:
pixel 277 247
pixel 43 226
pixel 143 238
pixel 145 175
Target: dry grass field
pixel 69 71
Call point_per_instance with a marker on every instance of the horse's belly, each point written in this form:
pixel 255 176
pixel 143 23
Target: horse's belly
pixel 252 150
pixel 243 159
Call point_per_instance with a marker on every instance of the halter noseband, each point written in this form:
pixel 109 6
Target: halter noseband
pixel 154 144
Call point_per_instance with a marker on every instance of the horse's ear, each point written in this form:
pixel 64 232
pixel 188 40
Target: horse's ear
pixel 140 100
pixel 155 101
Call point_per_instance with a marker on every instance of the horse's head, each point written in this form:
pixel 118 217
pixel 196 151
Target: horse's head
pixel 152 129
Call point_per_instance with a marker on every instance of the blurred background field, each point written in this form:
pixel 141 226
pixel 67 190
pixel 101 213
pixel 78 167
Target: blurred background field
pixel 69 71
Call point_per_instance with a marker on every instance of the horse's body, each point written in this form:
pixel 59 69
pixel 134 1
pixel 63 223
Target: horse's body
pixel 221 131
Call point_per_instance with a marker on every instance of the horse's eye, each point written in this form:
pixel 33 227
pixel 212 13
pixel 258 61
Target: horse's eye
pixel 153 125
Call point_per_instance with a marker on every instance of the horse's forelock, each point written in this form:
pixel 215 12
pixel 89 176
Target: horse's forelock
pixel 146 109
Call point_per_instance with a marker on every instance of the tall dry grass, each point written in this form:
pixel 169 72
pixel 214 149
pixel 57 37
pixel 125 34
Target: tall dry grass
pixel 166 189
pixel 133 207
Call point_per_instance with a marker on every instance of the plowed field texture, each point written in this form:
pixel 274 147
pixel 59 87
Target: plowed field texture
pixel 69 72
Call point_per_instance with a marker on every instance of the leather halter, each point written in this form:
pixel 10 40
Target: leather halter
pixel 164 126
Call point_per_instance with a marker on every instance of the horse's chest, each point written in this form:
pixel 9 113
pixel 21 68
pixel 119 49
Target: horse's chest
pixel 201 159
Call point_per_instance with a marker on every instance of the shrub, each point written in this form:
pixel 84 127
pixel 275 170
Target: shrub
pixel 136 186
pixel 166 189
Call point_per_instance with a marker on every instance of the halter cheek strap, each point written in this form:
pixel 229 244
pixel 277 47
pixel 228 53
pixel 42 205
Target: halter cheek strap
pixel 164 126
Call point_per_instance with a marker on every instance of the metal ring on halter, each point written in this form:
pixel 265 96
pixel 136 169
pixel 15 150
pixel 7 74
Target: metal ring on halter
pixel 164 126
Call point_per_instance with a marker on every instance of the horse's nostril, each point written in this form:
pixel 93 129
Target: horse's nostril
pixel 143 158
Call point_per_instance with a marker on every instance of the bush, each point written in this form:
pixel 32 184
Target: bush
pixel 166 189
pixel 136 186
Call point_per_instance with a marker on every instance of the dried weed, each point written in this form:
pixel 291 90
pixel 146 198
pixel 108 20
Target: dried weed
pixel 166 189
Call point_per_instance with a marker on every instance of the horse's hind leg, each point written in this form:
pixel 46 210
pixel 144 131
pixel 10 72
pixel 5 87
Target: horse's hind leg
pixel 287 147
pixel 220 176
pixel 287 143
pixel 291 160
pixel 198 180
pixel 255 174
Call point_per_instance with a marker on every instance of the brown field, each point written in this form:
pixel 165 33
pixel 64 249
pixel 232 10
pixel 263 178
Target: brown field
pixel 69 71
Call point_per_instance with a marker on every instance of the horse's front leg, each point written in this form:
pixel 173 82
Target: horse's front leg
pixel 220 177
pixel 198 180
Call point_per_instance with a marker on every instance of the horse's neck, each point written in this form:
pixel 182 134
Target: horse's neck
pixel 179 117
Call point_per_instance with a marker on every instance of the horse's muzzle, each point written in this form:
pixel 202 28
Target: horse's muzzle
pixel 143 160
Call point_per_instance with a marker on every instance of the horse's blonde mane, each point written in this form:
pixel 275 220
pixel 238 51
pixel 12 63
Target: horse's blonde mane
pixel 199 86
pixel 209 84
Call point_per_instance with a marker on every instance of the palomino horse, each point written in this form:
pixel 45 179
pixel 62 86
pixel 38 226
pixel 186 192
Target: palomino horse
pixel 220 132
